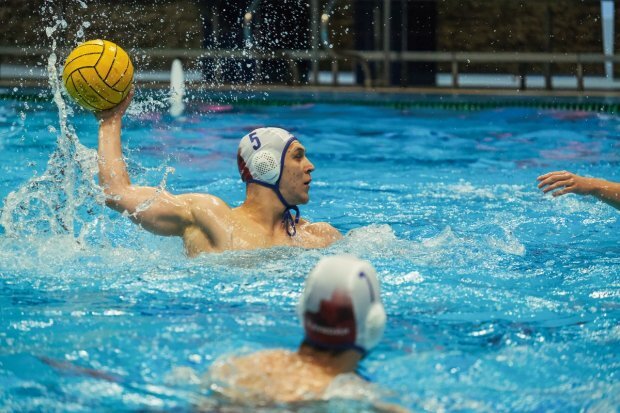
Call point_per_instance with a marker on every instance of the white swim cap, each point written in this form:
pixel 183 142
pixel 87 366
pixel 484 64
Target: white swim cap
pixel 260 159
pixel 261 155
pixel 341 306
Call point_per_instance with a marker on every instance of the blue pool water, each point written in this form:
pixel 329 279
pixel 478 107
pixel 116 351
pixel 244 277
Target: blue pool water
pixel 498 298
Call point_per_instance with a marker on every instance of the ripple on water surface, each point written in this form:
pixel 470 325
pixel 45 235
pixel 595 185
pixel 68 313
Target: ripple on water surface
pixel 499 299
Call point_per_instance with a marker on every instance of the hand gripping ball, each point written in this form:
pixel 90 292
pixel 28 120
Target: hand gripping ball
pixel 98 74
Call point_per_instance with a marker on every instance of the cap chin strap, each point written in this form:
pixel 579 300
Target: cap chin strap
pixel 287 217
pixel 289 221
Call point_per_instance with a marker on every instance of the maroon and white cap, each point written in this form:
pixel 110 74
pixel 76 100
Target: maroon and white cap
pixel 341 306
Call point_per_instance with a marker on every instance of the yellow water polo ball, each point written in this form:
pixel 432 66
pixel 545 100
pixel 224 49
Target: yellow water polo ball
pixel 98 74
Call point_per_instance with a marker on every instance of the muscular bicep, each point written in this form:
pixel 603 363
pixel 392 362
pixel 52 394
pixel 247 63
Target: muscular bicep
pixel 156 210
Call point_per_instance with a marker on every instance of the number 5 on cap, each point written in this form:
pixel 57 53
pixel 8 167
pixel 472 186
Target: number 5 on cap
pixel 254 140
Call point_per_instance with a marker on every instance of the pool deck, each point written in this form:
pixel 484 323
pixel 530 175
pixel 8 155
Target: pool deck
pixel 504 85
pixel 471 96
pixel 9 86
pixel 405 91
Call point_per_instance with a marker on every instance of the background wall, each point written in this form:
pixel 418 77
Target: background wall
pixel 462 25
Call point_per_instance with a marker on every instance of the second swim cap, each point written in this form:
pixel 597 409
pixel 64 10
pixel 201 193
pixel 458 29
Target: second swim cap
pixel 341 306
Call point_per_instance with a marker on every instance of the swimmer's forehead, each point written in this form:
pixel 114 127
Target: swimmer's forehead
pixel 296 147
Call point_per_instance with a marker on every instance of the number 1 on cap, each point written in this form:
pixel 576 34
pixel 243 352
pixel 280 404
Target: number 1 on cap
pixel 254 140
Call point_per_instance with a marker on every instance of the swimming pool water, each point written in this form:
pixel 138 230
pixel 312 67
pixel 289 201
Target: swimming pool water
pixel 498 298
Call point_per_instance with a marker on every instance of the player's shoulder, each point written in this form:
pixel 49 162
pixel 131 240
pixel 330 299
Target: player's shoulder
pixel 204 202
pixel 322 229
pixel 274 358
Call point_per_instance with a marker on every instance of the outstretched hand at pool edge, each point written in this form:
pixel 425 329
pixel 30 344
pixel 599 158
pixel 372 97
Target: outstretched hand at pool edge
pixel 117 111
pixel 564 182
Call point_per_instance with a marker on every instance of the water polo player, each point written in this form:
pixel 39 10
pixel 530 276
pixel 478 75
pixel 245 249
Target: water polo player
pixel 343 319
pixel 277 173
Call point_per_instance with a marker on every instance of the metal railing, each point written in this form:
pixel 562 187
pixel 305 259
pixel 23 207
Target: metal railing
pixel 361 59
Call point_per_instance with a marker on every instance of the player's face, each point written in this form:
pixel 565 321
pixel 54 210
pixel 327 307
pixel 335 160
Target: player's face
pixel 295 181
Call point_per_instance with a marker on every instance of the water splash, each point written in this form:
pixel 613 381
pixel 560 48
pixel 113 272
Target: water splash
pixel 177 89
pixel 59 200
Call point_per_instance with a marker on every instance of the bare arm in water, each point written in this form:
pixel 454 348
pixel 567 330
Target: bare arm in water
pixel 606 191
pixel 156 210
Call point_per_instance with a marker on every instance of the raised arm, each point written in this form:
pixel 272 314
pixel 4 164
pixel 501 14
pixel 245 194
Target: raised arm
pixel 606 191
pixel 155 209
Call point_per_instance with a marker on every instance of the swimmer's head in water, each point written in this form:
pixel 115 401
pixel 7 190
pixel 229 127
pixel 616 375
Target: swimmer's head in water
pixel 260 159
pixel 341 306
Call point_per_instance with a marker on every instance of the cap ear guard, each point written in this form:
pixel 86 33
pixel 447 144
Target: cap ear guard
pixel 266 166
pixel 374 323
pixel 374 326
